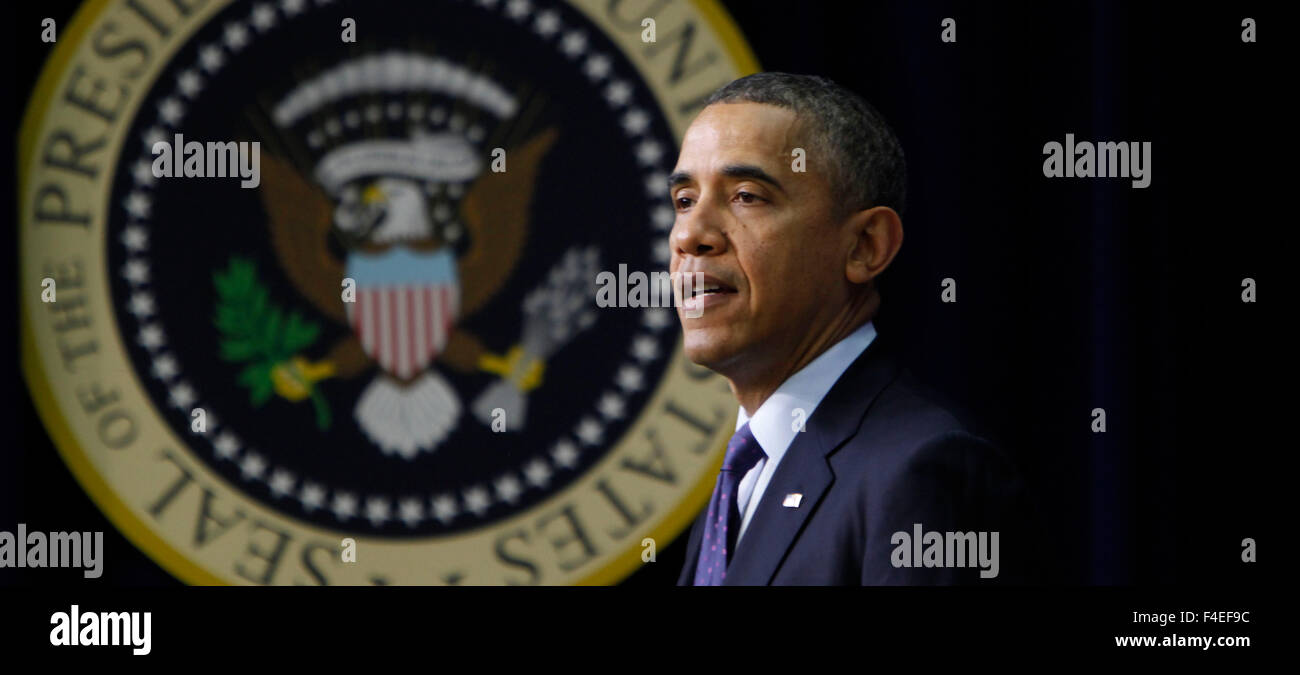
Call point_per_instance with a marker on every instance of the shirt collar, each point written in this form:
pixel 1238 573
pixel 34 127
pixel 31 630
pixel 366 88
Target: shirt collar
pixel 774 423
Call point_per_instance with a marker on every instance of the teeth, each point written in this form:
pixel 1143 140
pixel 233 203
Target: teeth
pixel 706 289
pixel 703 291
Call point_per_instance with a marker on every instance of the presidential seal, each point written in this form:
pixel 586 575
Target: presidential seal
pixel 308 288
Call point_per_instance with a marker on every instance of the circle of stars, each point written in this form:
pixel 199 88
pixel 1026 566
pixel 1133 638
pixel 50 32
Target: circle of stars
pixel 313 495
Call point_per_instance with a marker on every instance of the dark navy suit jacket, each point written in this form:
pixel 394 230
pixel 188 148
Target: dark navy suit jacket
pixel 879 454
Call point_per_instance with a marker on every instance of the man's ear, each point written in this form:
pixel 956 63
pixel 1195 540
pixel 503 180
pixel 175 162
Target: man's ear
pixel 877 234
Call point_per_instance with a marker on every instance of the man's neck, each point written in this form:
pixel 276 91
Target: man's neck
pixel 751 392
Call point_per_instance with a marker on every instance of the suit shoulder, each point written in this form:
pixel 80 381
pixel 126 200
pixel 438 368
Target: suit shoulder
pixel 917 412
pixel 909 422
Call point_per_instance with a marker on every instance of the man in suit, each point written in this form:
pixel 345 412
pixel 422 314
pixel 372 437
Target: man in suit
pixel 843 469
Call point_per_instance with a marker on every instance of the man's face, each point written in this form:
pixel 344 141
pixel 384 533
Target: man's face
pixel 761 233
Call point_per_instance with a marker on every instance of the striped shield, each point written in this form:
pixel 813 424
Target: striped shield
pixel 406 304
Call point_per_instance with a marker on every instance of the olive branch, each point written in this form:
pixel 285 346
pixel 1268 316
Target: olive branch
pixel 256 332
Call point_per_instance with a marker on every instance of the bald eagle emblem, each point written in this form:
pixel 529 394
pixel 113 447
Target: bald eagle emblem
pixel 399 235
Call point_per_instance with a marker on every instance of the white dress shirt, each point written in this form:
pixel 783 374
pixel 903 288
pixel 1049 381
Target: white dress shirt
pixel 774 423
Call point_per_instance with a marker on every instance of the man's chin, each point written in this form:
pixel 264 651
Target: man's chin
pixel 707 350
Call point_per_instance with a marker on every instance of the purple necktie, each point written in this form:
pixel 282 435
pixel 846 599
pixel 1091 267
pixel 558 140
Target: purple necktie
pixel 723 522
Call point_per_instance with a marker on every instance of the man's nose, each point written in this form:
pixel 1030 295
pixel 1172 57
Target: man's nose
pixel 698 232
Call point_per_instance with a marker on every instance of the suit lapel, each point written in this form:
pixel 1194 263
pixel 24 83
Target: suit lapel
pixel 687 577
pixel 773 528
pixel 805 468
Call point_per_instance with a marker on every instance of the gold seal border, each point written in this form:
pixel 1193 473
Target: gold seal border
pixel 619 566
pixel 74 455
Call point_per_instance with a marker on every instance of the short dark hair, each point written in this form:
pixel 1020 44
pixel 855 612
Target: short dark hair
pixel 868 161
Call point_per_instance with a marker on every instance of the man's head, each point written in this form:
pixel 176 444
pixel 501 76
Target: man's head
pixel 793 252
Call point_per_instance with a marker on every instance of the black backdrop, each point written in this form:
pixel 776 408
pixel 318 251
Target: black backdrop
pixel 1071 294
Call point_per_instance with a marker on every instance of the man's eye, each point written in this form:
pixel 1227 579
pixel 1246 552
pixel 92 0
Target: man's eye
pixel 682 202
pixel 748 198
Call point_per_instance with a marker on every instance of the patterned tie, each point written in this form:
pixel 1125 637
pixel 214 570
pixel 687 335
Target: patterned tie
pixel 723 522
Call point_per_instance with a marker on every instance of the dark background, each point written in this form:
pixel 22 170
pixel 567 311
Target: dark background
pixel 1072 294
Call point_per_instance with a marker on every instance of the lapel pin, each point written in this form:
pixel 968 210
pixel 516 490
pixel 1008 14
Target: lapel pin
pixel 792 500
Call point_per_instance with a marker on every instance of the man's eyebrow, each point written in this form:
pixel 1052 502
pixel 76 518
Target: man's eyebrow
pixel 732 171
pixel 751 171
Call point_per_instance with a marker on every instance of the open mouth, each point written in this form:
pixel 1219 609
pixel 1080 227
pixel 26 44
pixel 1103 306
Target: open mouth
pixel 698 285
pixel 711 290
